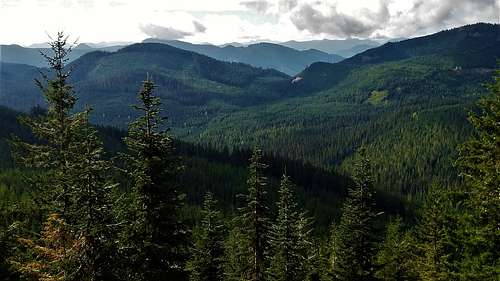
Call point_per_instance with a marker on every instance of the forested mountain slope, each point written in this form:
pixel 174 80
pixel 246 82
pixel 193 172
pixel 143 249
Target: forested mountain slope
pixel 220 172
pixel 194 87
pixel 407 100
pixel 265 55
pixel 468 47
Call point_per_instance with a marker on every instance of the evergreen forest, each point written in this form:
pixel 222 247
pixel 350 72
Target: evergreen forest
pixel 389 171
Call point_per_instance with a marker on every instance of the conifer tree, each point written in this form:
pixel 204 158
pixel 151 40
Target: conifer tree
pixel 7 240
pixel 330 252
pixel 69 158
pixel 289 238
pixel 93 208
pixel 396 257
pixel 254 218
pixel 157 243
pixel 436 237
pixel 479 162
pixel 57 131
pixel 207 260
pixel 237 251
pixel 355 238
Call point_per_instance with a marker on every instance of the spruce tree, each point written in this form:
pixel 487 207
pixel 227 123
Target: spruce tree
pixel 290 241
pixel 237 251
pixel 157 236
pixel 254 218
pixel 355 239
pixel 70 169
pixel 437 240
pixel 397 254
pixel 479 163
pixel 207 260
pixel 92 207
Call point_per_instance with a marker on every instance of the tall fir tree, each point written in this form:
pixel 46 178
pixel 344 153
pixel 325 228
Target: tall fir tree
pixel 479 163
pixel 71 169
pixel 355 236
pixel 157 244
pixel 208 252
pixel 57 131
pixel 290 242
pixel 254 218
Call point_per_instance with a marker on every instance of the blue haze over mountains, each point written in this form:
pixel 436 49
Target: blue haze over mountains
pixel 288 57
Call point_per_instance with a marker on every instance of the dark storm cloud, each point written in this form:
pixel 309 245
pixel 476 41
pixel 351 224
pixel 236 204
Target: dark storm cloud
pixel 199 27
pixel 162 32
pixel 337 23
pixel 260 6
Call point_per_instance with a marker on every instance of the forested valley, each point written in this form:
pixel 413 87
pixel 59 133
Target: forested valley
pixel 81 200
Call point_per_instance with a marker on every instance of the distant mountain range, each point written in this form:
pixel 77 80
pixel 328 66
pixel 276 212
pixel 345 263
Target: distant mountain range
pixel 31 56
pixel 288 57
pixel 406 101
pixel 345 48
pixel 265 55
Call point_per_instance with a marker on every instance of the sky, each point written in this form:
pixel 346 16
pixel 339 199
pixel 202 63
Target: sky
pixel 26 22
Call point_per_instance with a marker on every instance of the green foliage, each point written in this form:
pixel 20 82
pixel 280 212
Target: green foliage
pixel 289 238
pixel 396 257
pixel 70 174
pixel 237 253
pixel 479 160
pixel 92 207
pixel 157 238
pixel 254 218
pixel 438 241
pixel 355 237
pixel 58 132
pixel 378 97
pixel 207 255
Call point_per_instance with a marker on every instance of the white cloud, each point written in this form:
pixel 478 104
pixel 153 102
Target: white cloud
pixel 163 32
pixel 220 21
pixel 199 27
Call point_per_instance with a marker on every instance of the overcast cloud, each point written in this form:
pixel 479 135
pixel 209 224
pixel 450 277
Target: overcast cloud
pixel 431 15
pixel 169 33
pixel 333 22
pixel 420 17
pixel 199 27
pixel 257 5
pixel 222 21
